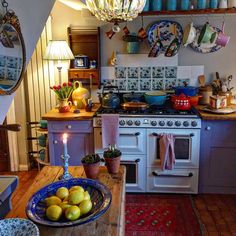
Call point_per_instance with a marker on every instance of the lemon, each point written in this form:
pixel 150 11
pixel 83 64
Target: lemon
pixel 85 207
pixel 86 195
pixel 54 212
pixel 75 197
pixel 64 206
pixel 76 187
pixel 62 192
pixel 53 200
pixel 72 213
pixel 66 199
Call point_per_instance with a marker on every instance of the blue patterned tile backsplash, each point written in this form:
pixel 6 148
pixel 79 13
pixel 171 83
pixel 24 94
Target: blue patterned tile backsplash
pixel 157 84
pixel 120 72
pixel 145 84
pixel 133 72
pixel 133 85
pixel 145 72
pixel 158 72
pixel 171 72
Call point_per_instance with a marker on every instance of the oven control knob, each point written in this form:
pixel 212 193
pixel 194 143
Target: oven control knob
pixel 137 122
pixel 129 122
pixel 153 123
pixel 122 122
pixel 185 123
pixel 177 123
pixel 161 123
pixel 194 123
pixel 169 123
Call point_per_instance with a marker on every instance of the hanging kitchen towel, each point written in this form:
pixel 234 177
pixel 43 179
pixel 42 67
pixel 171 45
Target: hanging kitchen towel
pixel 110 129
pixel 167 152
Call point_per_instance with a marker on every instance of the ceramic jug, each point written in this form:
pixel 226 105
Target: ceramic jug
pixel 213 4
pixel 80 95
pixel 223 4
pixel 156 5
pixel 184 5
pixel 171 5
pixel 201 4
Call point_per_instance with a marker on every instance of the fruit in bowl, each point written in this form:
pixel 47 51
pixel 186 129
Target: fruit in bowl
pixel 70 203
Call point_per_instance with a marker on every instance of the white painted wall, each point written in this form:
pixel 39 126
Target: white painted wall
pixel 32 15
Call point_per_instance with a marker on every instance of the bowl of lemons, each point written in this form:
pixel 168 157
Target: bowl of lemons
pixel 69 202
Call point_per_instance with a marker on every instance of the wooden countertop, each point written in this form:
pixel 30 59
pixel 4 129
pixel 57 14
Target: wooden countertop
pixel 110 223
pixel 210 116
pixel 54 114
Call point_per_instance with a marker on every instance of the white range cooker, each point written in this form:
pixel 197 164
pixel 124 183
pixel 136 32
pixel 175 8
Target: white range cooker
pixel 139 142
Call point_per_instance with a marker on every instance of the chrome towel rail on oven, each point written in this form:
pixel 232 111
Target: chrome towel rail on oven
pixel 189 135
pixel 190 174
pixel 128 134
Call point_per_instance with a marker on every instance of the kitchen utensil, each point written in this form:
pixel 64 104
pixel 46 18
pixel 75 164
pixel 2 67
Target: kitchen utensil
pixel 190 34
pixel 79 95
pixel 134 106
pixel 155 98
pixel 194 100
pixel 132 97
pixel 109 99
pixel 205 92
pixel 187 90
pixel 205 47
pixel 222 38
pixel 162 30
pixel 223 4
pixel 202 80
pixel 207 34
pixel 181 102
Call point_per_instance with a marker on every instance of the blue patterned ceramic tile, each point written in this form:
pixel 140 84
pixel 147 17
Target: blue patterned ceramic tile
pixel 171 72
pixel 145 72
pixel 169 84
pixel 158 72
pixel 122 84
pixel 145 84
pixel 12 73
pixel 182 82
pixel 12 62
pixel 133 72
pixel 107 82
pixel 157 84
pixel 2 72
pixel 2 60
pixel 133 85
pixel 120 72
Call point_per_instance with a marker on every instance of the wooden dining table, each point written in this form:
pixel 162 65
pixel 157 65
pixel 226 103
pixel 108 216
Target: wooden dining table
pixel 112 222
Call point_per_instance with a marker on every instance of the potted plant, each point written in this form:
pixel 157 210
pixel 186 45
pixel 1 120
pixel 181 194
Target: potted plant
pixel 91 165
pixel 112 158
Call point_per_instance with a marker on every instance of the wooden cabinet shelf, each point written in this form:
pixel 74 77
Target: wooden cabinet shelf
pixel 85 42
pixel 190 12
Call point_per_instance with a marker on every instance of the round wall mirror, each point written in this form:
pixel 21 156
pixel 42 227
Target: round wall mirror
pixel 12 56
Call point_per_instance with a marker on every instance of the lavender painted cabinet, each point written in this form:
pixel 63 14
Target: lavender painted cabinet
pixel 218 157
pixel 80 140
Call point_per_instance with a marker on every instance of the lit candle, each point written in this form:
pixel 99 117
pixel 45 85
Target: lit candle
pixel 65 144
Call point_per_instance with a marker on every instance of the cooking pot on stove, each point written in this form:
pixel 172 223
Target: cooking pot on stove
pixel 132 97
pixel 109 99
pixel 181 102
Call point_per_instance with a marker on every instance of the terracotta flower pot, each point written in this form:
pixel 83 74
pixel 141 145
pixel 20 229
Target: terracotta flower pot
pixel 113 165
pixel 91 170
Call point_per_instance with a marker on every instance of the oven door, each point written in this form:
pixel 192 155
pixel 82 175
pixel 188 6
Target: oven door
pixel 186 147
pixel 135 172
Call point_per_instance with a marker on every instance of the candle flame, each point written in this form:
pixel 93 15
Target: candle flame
pixel 65 138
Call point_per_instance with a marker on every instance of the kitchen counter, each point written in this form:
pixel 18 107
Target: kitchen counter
pixel 54 114
pixel 210 116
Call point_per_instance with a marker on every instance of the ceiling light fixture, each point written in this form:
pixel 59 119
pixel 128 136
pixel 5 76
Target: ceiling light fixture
pixel 115 11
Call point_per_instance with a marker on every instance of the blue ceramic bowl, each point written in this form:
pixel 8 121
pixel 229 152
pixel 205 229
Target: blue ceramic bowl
pixel 187 90
pixel 155 98
pixel 18 226
pixel 99 193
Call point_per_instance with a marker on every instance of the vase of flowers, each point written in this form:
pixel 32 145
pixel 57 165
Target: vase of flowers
pixel 91 165
pixel 63 93
pixel 112 158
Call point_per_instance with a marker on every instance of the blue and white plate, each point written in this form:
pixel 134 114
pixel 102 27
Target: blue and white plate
pixel 99 193
pixel 18 227
pixel 165 30
pixel 205 47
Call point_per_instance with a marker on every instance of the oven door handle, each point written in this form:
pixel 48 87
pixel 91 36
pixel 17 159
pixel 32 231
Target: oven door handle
pixel 190 174
pixel 190 135
pixel 134 134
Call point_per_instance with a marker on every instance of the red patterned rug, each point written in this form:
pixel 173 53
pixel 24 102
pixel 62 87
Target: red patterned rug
pixel 154 215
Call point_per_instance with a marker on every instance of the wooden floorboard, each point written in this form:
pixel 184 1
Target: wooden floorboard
pixel 217 212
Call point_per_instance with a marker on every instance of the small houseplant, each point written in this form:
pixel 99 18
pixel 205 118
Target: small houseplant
pixel 112 158
pixel 91 165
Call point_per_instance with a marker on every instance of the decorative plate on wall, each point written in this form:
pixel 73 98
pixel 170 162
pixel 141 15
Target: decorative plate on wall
pixel 166 31
pixel 205 47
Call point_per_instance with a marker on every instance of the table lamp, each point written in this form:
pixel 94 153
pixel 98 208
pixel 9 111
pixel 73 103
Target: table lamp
pixel 58 50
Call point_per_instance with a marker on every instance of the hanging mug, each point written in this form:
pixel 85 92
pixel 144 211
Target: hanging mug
pixel 171 5
pixel 223 4
pixel 184 5
pixel 201 4
pixel 156 5
pixel 231 3
pixel 222 38
pixel 213 4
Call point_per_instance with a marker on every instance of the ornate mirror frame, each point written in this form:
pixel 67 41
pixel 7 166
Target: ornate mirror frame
pixel 11 20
